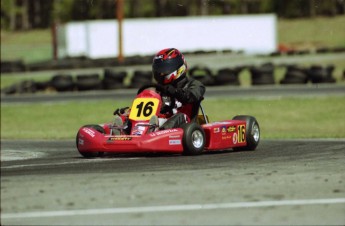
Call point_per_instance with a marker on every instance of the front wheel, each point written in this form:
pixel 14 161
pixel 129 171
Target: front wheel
pixel 252 132
pixel 193 139
pixel 90 154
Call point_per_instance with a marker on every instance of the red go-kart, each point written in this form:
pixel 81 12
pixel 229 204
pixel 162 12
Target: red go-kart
pixel 193 138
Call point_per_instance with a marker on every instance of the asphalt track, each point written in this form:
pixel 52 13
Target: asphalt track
pixel 286 182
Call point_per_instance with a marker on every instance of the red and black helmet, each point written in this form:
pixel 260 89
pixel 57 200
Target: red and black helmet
pixel 169 66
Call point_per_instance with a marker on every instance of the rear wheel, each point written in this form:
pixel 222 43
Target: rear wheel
pixel 193 139
pixel 252 132
pixel 91 154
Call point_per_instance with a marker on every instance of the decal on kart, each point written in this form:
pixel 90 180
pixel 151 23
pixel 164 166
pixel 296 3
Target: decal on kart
pixel 80 141
pixel 138 130
pixel 144 108
pixel 241 131
pixel 162 132
pixel 174 142
pixel 89 131
pixel 119 138
pixel 231 129
pixel 234 138
pixel 223 128
pixel 216 123
pixel 175 136
pixel 227 137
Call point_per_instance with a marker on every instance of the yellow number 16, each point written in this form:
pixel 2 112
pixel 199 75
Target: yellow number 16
pixel 144 108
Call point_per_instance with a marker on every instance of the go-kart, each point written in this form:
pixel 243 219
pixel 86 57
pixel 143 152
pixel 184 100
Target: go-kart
pixel 192 138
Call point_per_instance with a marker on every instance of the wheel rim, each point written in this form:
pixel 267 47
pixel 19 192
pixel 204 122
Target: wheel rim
pixel 256 132
pixel 197 139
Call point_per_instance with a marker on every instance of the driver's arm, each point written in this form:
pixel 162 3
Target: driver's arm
pixel 193 92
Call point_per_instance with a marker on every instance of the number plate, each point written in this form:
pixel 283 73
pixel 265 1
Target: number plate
pixel 144 108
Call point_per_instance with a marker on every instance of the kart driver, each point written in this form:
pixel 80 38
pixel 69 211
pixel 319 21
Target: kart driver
pixel 170 72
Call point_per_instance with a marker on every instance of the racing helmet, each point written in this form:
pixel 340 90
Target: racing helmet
pixel 169 66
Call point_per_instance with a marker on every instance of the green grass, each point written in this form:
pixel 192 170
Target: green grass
pixel 321 117
pixel 317 32
pixel 29 46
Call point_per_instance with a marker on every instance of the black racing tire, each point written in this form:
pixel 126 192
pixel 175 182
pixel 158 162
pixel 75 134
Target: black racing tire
pixel 268 80
pixel 88 82
pixel 205 79
pixel 139 83
pixel 114 75
pixel 320 74
pixel 91 154
pixel 200 70
pixel 202 74
pixel 113 79
pixel 62 83
pixel 141 78
pixel 252 132
pixel 193 139
pixel 227 76
pixel 293 80
pixel 297 75
pixel 263 75
pixel 145 75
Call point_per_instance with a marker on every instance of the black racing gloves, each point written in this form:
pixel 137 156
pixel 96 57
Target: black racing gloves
pixel 169 90
pixel 122 111
pixel 182 95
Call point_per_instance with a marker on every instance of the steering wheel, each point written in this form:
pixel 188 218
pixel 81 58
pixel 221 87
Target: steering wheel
pixel 158 88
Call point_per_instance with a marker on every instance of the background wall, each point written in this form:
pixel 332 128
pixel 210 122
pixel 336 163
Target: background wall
pixel 99 39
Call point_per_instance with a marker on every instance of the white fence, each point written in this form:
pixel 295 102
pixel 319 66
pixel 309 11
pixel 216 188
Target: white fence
pixel 253 34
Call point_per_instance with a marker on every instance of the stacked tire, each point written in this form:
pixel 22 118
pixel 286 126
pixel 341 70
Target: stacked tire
pixel 88 82
pixel 228 76
pixel 319 74
pixel 141 78
pixel 262 75
pixel 26 86
pixel 62 82
pixel 202 74
pixel 295 75
pixel 113 79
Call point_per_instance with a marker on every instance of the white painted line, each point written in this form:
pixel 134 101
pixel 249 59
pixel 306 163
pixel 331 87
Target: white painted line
pixel 11 155
pixel 66 163
pixel 147 209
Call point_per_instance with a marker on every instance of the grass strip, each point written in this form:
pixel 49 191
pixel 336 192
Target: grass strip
pixel 283 118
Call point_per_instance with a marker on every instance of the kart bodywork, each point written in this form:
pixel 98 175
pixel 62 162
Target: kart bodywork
pixel 242 133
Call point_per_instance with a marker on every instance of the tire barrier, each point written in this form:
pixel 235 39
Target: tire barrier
pixel 228 76
pixel 203 74
pixel 113 79
pixel 319 74
pixel 83 62
pixel 88 82
pixel 141 78
pixel 263 75
pixel 62 83
pixel 295 75
pixel 26 86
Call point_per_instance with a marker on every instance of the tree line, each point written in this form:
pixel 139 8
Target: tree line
pixel 32 14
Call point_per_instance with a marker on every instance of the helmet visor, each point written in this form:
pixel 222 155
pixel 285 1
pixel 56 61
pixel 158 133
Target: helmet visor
pixel 165 78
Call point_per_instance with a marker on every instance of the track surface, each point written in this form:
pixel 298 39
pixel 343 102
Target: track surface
pixel 282 182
